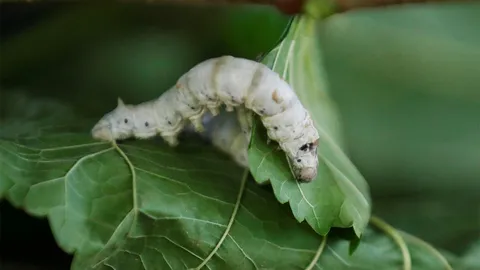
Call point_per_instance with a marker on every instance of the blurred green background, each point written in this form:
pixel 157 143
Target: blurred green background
pixel 406 81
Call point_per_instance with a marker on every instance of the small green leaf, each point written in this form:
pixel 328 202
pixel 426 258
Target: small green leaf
pixel 339 196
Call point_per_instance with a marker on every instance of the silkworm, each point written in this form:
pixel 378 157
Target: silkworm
pixel 233 82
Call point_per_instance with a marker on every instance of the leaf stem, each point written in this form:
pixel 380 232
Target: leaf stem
pixel 317 254
pixel 134 178
pixel 430 248
pixel 230 222
pixel 397 238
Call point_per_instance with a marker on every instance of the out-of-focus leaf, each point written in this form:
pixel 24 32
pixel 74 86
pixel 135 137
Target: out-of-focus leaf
pixel 258 26
pixel 377 251
pixel 450 215
pixel 339 196
pixel 65 35
pixel 426 256
pixel 471 259
pixel 406 82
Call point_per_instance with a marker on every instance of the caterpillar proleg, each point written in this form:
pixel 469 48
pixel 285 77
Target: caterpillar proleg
pixel 236 83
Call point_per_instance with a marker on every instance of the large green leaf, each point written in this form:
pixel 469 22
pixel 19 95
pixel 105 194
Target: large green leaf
pixel 416 214
pixel 144 205
pixel 173 202
pixel 339 196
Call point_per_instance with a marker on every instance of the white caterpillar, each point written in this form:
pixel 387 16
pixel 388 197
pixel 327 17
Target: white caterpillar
pixel 235 82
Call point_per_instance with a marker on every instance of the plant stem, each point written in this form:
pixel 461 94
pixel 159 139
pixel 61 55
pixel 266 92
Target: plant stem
pixel 428 247
pixel 317 254
pixel 397 238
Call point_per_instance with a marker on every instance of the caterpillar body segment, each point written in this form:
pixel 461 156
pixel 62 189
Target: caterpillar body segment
pixel 227 135
pixel 237 83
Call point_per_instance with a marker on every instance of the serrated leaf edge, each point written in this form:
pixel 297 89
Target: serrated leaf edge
pixel 360 225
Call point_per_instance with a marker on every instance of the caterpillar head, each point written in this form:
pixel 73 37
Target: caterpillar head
pixel 305 164
pixel 117 124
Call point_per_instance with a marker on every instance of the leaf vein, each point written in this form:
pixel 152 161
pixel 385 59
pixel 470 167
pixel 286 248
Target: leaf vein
pixel 243 252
